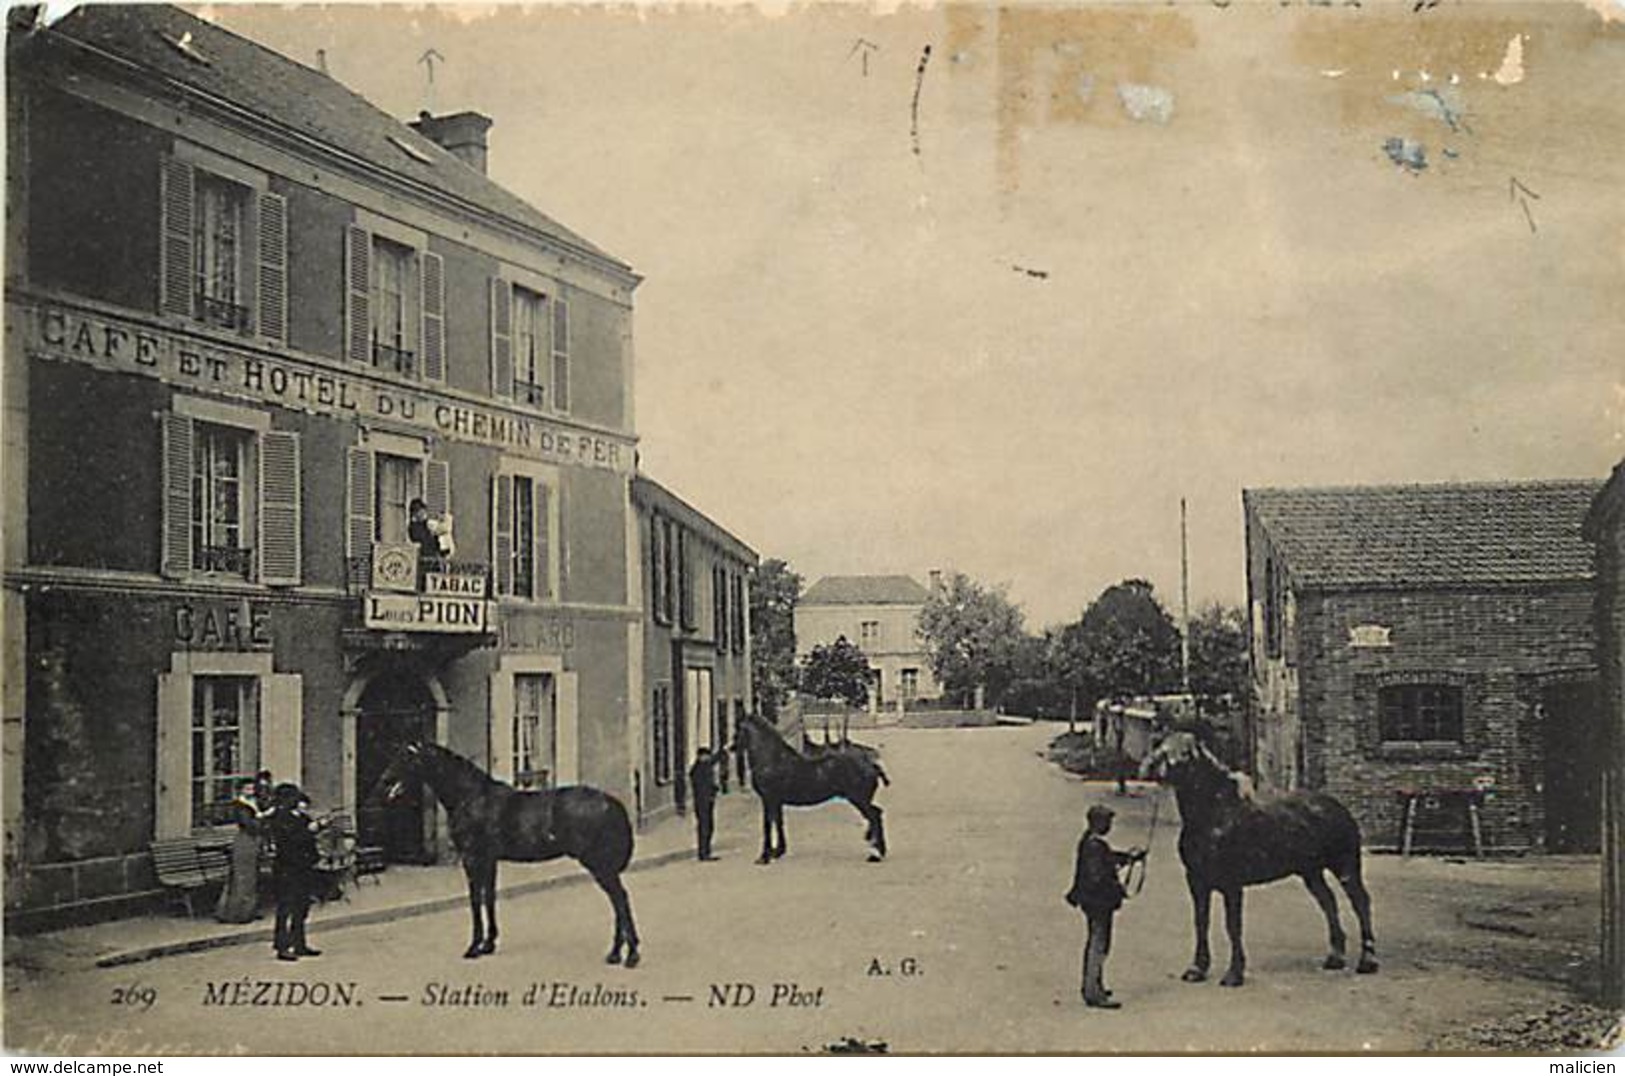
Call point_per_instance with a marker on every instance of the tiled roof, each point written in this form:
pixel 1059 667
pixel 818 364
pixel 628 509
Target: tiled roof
pixel 1451 535
pixel 864 590
pixel 222 65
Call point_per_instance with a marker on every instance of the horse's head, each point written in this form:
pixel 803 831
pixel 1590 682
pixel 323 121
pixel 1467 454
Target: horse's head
pixel 1172 756
pixel 402 770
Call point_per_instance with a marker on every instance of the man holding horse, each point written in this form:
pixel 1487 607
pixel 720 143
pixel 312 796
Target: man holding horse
pixel 702 783
pixel 1098 892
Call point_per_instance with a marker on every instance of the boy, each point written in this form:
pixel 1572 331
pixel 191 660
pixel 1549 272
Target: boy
pixel 1098 893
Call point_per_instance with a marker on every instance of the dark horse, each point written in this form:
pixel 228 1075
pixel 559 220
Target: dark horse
pixel 812 749
pixel 491 821
pixel 781 775
pixel 1228 842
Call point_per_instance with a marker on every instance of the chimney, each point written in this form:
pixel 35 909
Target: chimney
pixel 461 134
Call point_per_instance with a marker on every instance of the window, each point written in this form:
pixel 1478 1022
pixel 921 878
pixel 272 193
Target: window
pixel 231 494
pixel 218 247
pixel 561 356
pixel 400 482
pixel 1420 713
pixel 660 721
pixel 533 731
pixel 659 577
pixel 220 526
pixel 869 636
pixel 224 250
pixel 395 301
pixel 685 582
pixel 530 347
pixel 1272 610
pixel 393 339
pixel 523 523
pixel 739 614
pixel 225 735
pixel 719 606
pixel 909 686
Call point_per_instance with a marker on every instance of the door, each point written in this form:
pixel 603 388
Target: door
pixel 1571 735
pixel 395 709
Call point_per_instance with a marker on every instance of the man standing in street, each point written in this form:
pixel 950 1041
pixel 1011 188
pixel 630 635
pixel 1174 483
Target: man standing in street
pixel 293 870
pixel 1098 892
pixel 702 783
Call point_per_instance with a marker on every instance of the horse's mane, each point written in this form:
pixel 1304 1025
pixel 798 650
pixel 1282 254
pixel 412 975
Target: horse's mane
pixel 465 767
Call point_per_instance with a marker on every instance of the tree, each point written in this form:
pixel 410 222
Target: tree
pixel 972 634
pixel 1219 653
pixel 774 591
pixel 1124 645
pixel 838 671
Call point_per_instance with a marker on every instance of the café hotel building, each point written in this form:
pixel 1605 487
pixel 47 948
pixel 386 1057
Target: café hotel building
pixel 249 319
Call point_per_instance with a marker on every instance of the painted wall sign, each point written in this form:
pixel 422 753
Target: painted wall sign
pixel 222 626
pixel 550 635
pixel 394 567
pixel 1368 636
pixel 56 331
pixel 427 612
pixel 463 584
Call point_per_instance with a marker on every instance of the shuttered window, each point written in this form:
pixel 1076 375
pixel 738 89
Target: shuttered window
pixel 561 356
pixel 502 367
pixel 685 581
pixel 395 306
pixel 223 252
pixel 231 502
pixel 739 620
pixel 658 586
pixel 379 490
pixel 523 509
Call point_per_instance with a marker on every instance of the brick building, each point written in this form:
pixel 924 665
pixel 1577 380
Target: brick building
pixel 696 642
pixel 880 615
pixel 249 318
pixel 1605 529
pixel 1435 640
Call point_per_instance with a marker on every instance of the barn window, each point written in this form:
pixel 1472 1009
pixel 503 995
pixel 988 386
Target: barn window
pixel 1420 713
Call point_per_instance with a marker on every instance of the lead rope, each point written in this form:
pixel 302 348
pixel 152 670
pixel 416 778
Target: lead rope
pixel 1137 878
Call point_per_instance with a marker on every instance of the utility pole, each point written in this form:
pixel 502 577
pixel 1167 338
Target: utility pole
pixel 1184 605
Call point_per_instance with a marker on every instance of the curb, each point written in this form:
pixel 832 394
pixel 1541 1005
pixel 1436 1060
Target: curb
pixel 378 915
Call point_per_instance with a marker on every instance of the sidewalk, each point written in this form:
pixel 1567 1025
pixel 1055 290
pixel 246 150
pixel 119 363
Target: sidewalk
pixel 399 892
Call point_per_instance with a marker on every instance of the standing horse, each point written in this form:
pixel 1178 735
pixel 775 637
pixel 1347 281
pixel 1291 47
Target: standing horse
pixel 491 821
pixel 1228 842
pixel 782 776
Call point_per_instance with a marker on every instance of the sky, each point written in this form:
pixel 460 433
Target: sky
pixel 999 307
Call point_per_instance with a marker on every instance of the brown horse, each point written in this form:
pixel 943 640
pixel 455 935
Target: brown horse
pixel 1228 842
pixel 491 821
pixel 781 775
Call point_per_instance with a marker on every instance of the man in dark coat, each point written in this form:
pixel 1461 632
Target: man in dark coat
pixel 702 782
pixel 293 870
pixel 1098 892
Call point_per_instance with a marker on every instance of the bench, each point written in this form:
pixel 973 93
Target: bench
pixel 188 866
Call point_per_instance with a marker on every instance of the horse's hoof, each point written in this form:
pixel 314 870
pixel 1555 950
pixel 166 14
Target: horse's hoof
pixel 472 953
pixel 613 958
pixel 1335 962
pixel 762 861
pixel 1232 978
pixel 488 948
pixel 632 959
pixel 1194 975
pixel 875 857
pixel 1366 966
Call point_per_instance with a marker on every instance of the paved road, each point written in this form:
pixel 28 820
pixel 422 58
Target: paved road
pixel 982 833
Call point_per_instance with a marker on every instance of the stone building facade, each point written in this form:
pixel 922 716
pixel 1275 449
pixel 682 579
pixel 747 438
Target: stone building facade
pixel 880 615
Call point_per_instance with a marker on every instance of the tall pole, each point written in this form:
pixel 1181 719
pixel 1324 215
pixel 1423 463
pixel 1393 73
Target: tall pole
pixel 1184 604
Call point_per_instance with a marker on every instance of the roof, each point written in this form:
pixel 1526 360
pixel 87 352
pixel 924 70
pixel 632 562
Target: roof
pixel 1427 535
pixel 233 69
pixel 864 590
pixel 651 494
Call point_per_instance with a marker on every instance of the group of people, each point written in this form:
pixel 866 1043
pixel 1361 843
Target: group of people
pixel 274 819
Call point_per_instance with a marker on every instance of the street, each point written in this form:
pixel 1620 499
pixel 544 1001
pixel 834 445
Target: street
pixel 960 942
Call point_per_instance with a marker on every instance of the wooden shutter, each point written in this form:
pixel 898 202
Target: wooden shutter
pixel 432 274
pixel 544 539
pixel 437 487
pixel 359 505
pixel 685 581
pixel 502 532
pixel 501 337
pixel 503 707
pixel 173 757
pixel 282 723
pixel 739 614
pixel 358 294
pixel 176 558
pixel 273 266
pixel 561 355
pixel 279 508
pixel 566 702
pixel 176 210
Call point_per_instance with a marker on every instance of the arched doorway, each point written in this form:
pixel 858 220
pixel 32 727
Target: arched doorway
pixel 395 709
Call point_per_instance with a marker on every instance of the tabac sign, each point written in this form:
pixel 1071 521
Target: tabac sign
pixel 61 332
